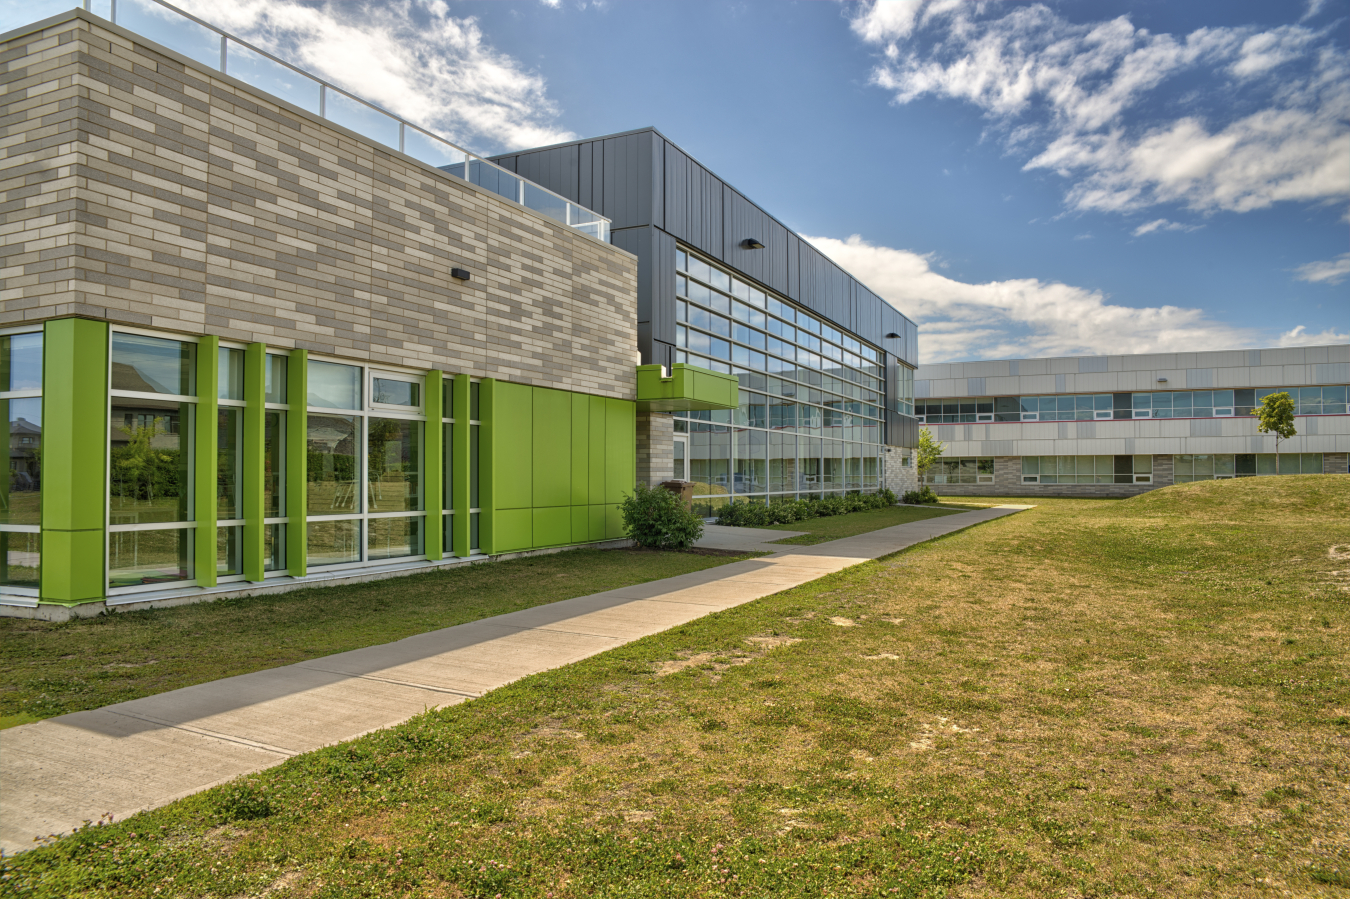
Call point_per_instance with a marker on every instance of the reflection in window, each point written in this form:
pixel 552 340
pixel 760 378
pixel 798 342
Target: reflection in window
pixel 141 558
pixel 332 463
pixel 20 501
pixel 230 435
pixel 20 558
pixel 274 465
pixel 150 461
pixel 334 386
pixel 229 551
pixel 392 538
pixel 389 392
pixel 153 365
pixel 274 379
pixel 20 362
pixel 333 542
pixel 274 547
pixel 393 465
pixel 230 374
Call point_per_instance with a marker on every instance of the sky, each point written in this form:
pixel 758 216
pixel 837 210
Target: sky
pixel 1021 179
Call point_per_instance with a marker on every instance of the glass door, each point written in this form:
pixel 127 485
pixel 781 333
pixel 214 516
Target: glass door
pixel 681 458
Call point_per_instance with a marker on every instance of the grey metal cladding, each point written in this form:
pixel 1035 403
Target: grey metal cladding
pixel 675 167
pixel 1254 357
pixel 794 265
pixel 1206 427
pixel 556 169
pixel 1059 384
pixel 746 220
pixel 655 251
pixel 901 430
pixel 974 386
pixel 1200 377
pixel 1332 372
pixel 628 179
pixel 1088 364
pixel 1012 368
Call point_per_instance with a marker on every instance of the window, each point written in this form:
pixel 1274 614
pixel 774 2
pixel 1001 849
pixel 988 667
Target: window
pixel 949 470
pixel 812 399
pixel 21 491
pixel 275 511
pixel 1087 469
pixel 152 412
pixel 364 433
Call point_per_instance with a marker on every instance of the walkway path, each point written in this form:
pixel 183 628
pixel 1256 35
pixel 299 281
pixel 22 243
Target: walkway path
pixel 145 753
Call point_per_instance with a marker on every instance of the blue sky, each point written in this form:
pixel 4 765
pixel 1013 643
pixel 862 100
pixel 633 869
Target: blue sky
pixel 1021 178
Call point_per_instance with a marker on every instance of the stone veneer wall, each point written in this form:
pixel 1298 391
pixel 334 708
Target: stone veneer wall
pixel 655 447
pixel 145 190
pixel 1335 463
pixel 895 475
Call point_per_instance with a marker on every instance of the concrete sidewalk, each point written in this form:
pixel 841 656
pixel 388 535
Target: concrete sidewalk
pixel 137 755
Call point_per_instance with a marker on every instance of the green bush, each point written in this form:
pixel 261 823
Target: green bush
pixel 656 518
pixel 919 497
pixel 759 515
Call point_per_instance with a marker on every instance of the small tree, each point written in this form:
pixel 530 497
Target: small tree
pixel 1276 414
pixel 927 452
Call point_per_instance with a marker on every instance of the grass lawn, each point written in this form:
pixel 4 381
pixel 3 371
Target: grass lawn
pixel 49 669
pixel 1148 697
pixel 823 530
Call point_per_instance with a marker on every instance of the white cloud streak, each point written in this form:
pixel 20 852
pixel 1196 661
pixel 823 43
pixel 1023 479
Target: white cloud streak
pixel 1327 271
pixel 1024 317
pixel 410 56
pixel 1301 337
pixel 1162 225
pixel 1083 92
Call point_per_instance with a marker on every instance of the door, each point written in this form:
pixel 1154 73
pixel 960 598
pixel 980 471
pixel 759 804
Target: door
pixel 681 458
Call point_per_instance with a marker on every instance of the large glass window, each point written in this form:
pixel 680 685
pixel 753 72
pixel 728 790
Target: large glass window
pixel 364 493
pixel 1087 469
pixel 21 488
pixel 961 470
pixel 151 427
pixel 275 511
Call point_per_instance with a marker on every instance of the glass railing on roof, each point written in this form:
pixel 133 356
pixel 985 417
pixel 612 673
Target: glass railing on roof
pixel 223 52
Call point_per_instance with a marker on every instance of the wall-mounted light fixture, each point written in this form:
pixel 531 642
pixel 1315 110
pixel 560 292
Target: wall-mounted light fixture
pixel 1162 380
pixel 460 273
pixel 751 244
pixel 892 336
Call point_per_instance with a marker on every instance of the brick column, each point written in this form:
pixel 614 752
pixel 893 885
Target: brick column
pixel 655 448
pixel 895 475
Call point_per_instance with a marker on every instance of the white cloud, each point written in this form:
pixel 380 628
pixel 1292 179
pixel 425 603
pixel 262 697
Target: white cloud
pixel 1024 317
pixel 410 56
pixel 1085 94
pixel 1329 271
pixel 1162 225
pixel 1300 337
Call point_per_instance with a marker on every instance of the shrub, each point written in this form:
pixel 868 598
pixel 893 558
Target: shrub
pixel 655 518
pixel 756 514
pixel 919 497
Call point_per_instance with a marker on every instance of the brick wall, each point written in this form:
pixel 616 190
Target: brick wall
pixel 895 475
pixel 1335 463
pixel 147 191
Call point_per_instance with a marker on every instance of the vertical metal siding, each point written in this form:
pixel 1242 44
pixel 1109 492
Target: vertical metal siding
pixel 585 175
pixel 676 206
pixel 662 266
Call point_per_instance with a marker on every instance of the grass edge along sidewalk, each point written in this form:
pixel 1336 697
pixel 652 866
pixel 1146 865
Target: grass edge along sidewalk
pixel 49 669
pixel 1133 698
pixel 146 752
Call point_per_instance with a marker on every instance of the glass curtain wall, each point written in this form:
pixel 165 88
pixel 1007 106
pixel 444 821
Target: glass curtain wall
pixel 812 397
pixel 1087 469
pixel 364 452
pixel 1208 466
pixel 150 441
pixel 21 488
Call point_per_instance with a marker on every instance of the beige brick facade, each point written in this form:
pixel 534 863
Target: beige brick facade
pixel 146 190
pixel 655 448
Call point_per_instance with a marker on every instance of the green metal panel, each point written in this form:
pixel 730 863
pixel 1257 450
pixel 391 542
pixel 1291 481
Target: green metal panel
pixel 687 387
pixel 459 478
pixel 552 462
pixel 613 523
pixel 206 455
pixel 596 443
pixel 512 420
pixel 581 524
pixel 581 418
pixel 596 515
pixel 487 466
pixel 620 449
pixel 297 474
pixel 552 526
pixel 433 462
pixel 255 445
pixel 514 530
pixel 74 459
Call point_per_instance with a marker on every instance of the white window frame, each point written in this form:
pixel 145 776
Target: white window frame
pixel 27 593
